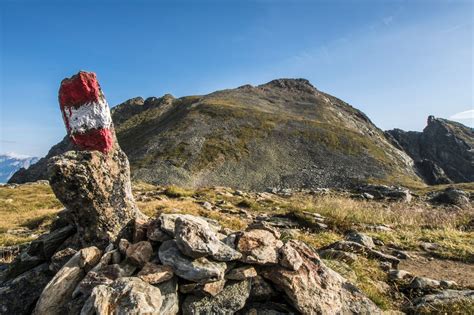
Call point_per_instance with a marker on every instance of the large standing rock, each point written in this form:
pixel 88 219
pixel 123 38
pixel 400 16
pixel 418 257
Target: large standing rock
pixel 198 270
pixel 59 290
pixel 93 184
pixel 316 289
pixel 228 301
pixel 96 188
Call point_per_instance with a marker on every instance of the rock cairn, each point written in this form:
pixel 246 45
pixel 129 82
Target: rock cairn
pixel 103 256
pixel 93 183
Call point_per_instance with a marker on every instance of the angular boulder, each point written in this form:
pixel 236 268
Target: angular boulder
pixel 199 270
pixel 124 296
pixel 195 240
pixel 259 247
pixel 316 289
pixel 59 290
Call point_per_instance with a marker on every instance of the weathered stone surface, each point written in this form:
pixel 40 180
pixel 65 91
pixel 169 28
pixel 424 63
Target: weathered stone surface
pixel 289 257
pixel 361 238
pixel 169 293
pixel 123 245
pixel 60 258
pixel 241 273
pixel 259 247
pixel 261 290
pixel 96 188
pixel 201 289
pixel 423 283
pixel 155 233
pixel 139 253
pixel 197 240
pixel 452 196
pixel 59 290
pixel 96 276
pixel 198 270
pixel 124 296
pixel 429 303
pixel 168 220
pixel 229 301
pixel 140 229
pixel 18 296
pixel 154 274
pixel 315 289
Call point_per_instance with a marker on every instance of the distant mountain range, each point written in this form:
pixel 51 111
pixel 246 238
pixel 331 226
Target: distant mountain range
pixel 10 163
pixel 285 133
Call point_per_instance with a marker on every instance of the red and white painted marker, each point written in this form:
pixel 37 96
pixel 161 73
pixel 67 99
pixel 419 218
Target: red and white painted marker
pixel 86 113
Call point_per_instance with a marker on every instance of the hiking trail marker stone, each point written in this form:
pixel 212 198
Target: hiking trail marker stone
pixel 86 113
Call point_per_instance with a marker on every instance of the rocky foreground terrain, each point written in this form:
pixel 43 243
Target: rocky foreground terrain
pixel 220 250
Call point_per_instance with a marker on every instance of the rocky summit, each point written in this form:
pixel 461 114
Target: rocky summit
pixel 443 152
pixel 284 134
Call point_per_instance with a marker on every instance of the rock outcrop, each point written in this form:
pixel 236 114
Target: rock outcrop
pixel 443 152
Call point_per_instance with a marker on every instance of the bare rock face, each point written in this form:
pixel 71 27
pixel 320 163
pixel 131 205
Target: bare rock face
pixel 316 289
pixel 96 189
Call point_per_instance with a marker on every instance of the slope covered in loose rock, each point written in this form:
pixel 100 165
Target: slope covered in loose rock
pixel 284 133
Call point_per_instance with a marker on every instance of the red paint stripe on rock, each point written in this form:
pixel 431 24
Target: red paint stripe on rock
pixel 97 139
pixel 80 89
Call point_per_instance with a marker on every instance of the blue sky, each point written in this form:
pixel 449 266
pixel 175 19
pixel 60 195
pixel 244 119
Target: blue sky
pixel 398 61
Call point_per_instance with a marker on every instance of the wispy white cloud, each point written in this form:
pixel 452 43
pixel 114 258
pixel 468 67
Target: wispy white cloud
pixel 468 114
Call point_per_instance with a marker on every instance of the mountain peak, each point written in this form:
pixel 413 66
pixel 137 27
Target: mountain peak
pixel 302 85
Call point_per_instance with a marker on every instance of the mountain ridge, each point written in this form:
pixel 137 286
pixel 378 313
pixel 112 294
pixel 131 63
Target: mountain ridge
pixel 284 133
pixel 12 162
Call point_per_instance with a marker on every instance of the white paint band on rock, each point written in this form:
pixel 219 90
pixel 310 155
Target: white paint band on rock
pixel 94 115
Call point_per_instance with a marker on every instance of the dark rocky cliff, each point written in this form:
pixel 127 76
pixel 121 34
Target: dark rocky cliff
pixel 443 152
